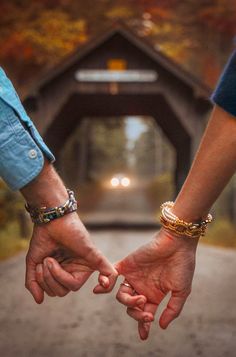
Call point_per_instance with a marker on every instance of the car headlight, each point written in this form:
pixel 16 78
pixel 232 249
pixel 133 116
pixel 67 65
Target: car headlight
pixel 115 182
pixel 125 181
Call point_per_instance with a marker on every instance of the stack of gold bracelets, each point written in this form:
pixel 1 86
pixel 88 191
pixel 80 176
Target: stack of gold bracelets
pixel 190 229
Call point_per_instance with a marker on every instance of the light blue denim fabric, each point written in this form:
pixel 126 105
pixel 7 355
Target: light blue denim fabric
pixel 21 151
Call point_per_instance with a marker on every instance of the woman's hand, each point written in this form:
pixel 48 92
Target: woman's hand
pixel 164 265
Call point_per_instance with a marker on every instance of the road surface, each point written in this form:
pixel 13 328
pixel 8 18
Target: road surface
pixel 84 325
pixel 127 207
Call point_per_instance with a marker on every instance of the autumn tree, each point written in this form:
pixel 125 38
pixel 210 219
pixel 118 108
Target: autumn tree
pixel 36 35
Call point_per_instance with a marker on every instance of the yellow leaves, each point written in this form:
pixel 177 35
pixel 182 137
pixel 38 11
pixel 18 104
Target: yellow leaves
pixel 53 35
pixel 119 12
pixel 38 34
pixel 46 38
pixel 171 40
pixel 175 50
pixel 162 29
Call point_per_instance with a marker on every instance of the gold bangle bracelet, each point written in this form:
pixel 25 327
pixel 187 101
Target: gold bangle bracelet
pixel 180 227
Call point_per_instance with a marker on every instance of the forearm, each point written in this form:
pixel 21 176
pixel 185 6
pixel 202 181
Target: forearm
pixel 214 165
pixel 47 189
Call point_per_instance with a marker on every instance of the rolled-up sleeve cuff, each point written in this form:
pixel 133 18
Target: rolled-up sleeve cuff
pixel 38 139
pixel 22 150
pixel 22 155
pixel 20 162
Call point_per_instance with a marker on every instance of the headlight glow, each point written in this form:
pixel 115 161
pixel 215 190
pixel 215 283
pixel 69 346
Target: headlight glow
pixel 125 181
pixel 115 182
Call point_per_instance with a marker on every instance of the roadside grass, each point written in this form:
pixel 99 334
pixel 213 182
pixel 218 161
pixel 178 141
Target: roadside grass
pixel 222 233
pixel 10 241
pixel 159 190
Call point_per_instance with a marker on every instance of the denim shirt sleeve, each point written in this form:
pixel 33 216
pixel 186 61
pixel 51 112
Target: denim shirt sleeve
pixel 225 92
pixel 22 149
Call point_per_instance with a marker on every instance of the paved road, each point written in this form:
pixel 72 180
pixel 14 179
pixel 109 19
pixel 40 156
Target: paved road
pixel 122 207
pixel 83 325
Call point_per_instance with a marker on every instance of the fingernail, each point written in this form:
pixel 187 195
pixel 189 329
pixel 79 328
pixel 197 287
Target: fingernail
pixel 146 325
pixel 49 264
pixel 39 268
pixel 104 284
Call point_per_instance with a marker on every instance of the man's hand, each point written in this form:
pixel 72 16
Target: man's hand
pixel 164 265
pixel 67 242
pixel 61 243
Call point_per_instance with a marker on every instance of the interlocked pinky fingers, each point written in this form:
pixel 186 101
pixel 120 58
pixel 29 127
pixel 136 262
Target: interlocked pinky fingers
pixel 140 315
pixel 65 279
pixel 125 296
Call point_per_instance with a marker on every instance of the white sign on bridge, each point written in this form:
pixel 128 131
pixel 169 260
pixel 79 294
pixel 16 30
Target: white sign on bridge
pixel 90 75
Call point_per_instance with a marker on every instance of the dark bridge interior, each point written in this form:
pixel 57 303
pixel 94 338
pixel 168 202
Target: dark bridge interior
pixel 104 105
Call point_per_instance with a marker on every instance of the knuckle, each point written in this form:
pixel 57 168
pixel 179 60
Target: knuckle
pixel 49 294
pixel 128 312
pixel 45 275
pixel 177 313
pixel 62 293
pixel 99 260
pixel 74 288
pixel 108 290
pixel 39 277
pixel 186 292
pixel 174 312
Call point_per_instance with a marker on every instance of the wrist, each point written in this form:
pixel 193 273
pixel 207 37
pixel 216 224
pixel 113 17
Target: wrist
pixel 180 242
pixel 186 213
pixel 172 223
pixel 66 228
pixel 46 190
pixel 42 215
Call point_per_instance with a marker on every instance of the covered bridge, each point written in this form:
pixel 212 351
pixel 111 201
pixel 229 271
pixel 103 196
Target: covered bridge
pixel 117 74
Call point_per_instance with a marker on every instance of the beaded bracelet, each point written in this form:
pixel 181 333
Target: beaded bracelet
pixel 44 215
pixel 172 223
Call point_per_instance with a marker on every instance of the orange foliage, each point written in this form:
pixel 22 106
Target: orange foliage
pixel 16 47
pixel 38 34
pixel 221 17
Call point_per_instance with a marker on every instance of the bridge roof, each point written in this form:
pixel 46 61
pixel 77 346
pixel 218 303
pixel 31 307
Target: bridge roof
pixel 140 43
